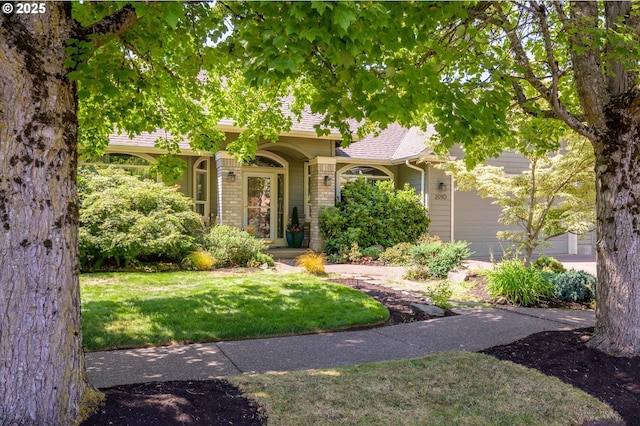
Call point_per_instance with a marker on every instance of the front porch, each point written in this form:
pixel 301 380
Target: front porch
pixel 285 253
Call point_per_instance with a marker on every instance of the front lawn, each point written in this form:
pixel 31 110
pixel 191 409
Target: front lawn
pixel 455 388
pixel 121 310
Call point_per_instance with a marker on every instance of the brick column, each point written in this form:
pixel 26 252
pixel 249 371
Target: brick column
pixel 229 190
pixel 323 194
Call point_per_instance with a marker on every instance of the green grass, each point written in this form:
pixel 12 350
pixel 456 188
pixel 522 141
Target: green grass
pixel 456 388
pixel 122 310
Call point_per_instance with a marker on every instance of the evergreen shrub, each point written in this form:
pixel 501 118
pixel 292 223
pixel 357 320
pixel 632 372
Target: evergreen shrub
pixel 373 213
pixel 125 219
pixel 548 263
pixel 232 246
pixel 373 252
pixel 397 255
pixel 439 258
pixel 574 286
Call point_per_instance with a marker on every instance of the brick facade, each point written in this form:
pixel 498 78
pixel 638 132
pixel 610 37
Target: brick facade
pixel 323 194
pixel 229 190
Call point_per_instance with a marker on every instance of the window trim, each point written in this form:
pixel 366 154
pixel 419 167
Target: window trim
pixel 147 157
pixel 389 174
pixel 207 193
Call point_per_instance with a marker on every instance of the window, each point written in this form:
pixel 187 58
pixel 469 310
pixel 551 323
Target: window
pixel 264 161
pixel 368 172
pixel 351 173
pixel 201 187
pixel 307 191
pixel 136 165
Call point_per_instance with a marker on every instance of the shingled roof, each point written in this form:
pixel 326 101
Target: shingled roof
pixel 143 140
pixel 301 127
pixel 395 143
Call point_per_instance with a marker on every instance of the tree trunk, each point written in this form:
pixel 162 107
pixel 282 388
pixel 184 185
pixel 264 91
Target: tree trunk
pixel 618 210
pixel 42 371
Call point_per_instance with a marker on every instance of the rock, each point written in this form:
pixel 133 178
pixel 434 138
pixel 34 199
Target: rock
pixel 431 310
pixel 457 276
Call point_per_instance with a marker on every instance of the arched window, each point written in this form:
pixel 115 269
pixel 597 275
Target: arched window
pixel 351 173
pixel 134 164
pixel 201 186
pixel 264 161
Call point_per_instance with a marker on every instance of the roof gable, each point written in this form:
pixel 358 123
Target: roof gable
pixel 395 143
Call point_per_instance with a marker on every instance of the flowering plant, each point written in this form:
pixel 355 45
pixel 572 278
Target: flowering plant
pixel 294 227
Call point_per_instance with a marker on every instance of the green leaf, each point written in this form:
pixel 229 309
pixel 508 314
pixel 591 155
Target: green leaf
pixel 321 6
pixel 343 17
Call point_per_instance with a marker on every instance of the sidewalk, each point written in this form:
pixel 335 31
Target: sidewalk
pixel 475 329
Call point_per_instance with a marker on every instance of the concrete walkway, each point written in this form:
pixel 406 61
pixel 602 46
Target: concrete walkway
pixel 475 329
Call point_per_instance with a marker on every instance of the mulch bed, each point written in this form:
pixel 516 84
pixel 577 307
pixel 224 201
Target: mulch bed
pixel 398 302
pixel 565 355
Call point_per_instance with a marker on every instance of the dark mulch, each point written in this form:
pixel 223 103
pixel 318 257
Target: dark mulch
pixel 211 402
pixel 565 355
pixel 398 302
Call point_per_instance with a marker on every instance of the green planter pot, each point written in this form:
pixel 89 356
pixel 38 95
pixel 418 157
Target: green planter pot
pixel 294 239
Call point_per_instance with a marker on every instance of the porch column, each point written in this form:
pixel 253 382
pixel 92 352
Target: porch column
pixel 323 194
pixel 229 211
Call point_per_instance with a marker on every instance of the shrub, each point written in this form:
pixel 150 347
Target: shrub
pixel 373 252
pixel 337 258
pixel 440 294
pixel 199 260
pixel 373 213
pixel 232 246
pixel 417 273
pixel 354 254
pixel 126 219
pixel 260 259
pixel 427 238
pixel 547 263
pixel 440 258
pixel 311 261
pixel 520 285
pixel 574 286
pixel 398 255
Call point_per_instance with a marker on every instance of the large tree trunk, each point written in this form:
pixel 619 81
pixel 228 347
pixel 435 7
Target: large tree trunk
pixel 618 210
pixel 42 371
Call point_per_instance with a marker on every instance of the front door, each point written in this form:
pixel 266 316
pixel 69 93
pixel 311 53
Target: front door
pixel 258 204
pixel 263 201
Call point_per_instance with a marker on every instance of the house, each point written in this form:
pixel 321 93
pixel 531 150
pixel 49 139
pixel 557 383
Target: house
pixel 305 170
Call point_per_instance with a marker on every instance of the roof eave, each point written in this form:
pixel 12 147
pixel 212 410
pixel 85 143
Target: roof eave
pixel 227 128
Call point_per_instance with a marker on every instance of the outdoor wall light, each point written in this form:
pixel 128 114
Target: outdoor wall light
pixel 442 186
pixel 231 177
pixel 327 180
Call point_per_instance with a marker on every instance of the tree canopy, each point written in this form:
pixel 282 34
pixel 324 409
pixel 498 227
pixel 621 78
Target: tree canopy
pixel 161 69
pixel 488 75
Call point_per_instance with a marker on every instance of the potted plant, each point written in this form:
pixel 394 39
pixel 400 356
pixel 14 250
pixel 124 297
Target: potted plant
pixel 295 231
